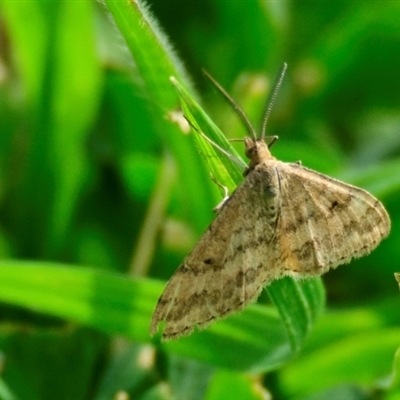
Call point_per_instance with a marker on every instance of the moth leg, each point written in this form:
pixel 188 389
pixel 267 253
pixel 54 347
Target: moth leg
pixel 272 140
pixel 226 195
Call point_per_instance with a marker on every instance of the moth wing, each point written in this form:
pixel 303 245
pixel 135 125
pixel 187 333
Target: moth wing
pixel 324 222
pixel 226 269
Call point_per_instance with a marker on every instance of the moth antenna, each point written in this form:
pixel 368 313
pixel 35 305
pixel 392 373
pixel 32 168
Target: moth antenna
pixel 271 99
pixel 235 106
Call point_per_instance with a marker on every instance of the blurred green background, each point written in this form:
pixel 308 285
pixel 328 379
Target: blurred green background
pixel 102 194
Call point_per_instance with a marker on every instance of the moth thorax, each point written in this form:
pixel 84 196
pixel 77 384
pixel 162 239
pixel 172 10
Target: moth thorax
pixel 257 151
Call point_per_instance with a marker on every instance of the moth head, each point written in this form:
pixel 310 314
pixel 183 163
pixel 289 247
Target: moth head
pixel 257 151
pixel 255 147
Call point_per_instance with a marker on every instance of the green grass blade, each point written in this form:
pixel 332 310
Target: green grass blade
pixel 77 85
pixel 154 57
pixel 363 356
pixel 155 62
pixel 252 340
pixel 299 304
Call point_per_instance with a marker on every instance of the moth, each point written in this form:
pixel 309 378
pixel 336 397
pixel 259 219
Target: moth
pixel 283 220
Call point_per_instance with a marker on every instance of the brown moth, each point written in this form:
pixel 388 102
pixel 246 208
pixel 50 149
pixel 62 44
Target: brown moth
pixel 283 220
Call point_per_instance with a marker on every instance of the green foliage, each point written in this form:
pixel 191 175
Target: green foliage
pixel 103 193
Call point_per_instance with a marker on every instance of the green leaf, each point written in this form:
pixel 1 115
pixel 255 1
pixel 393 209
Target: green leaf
pixel 222 167
pixel 153 55
pixel 253 340
pixel 77 85
pixel 364 356
pixel 62 85
pixel 155 62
